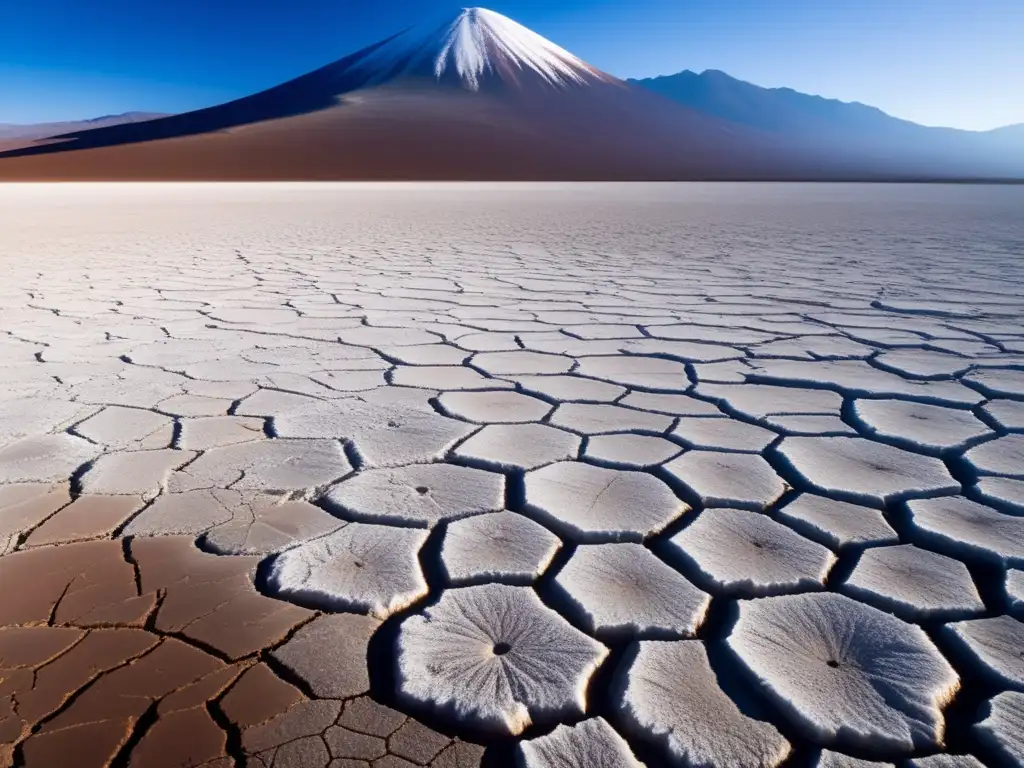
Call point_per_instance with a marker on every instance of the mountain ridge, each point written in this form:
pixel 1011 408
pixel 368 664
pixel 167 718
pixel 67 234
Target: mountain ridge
pixel 834 127
pixel 655 81
pixel 669 86
pixel 687 85
pixel 43 130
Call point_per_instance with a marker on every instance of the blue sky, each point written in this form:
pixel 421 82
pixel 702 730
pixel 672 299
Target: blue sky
pixel 939 62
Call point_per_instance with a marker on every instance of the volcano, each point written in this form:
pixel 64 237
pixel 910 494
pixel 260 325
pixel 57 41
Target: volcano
pixel 480 49
pixel 477 97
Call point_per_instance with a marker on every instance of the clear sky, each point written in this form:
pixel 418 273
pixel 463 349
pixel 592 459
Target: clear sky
pixel 939 62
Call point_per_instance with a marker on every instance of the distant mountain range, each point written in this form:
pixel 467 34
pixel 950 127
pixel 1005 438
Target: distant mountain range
pixel 851 128
pixel 9 132
pixel 783 109
pixel 479 96
pixel 1014 133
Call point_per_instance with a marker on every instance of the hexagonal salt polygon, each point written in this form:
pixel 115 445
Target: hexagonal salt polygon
pixel 420 495
pixel 920 427
pixel 914 584
pixel 372 569
pixel 494 407
pixel 521 362
pixel 634 371
pixel 836 523
pixel 593 504
pixel 863 471
pixel 1002 456
pixel 995 646
pixel 667 693
pixel 631 451
pixel 844 673
pixel 502 547
pixel 738 552
pixel 728 479
pixel 624 590
pixel 596 419
pixel 960 526
pixel 723 434
pixel 495 657
pixel 519 446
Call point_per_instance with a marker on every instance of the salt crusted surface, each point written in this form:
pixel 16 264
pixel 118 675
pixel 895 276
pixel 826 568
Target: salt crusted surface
pixel 667 692
pixel 728 479
pixel 865 471
pixel 746 553
pixel 624 590
pixel 836 523
pixel 914 584
pixel 1015 589
pixel 594 504
pixel 995 645
pixel 946 761
pixel 419 495
pixel 497 657
pixel 503 547
pixel 919 426
pixel 252 436
pixel 845 673
pixel 1002 729
pixel 829 759
pixel 964 527
pixel 592 743
pixel 366 568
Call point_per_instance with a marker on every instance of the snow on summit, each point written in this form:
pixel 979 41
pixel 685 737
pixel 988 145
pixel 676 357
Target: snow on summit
pixel 478 45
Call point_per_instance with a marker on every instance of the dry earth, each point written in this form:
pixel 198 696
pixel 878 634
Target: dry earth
pixel 568 475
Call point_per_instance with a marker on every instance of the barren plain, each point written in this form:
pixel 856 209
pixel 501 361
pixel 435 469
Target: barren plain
pixel 540 474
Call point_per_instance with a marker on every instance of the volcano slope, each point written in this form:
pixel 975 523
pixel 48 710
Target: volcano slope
pixel 458 475
pixel 415 132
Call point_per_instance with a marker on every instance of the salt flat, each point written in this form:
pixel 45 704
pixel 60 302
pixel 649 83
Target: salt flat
pixel 451 475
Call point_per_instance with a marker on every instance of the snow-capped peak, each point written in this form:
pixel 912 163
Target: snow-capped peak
pixel 477 45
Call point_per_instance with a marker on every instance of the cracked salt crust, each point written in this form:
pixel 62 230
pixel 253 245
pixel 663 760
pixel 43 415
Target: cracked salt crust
pixel 166 398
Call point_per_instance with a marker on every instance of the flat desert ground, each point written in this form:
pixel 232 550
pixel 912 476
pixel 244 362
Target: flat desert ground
pixel 549 475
